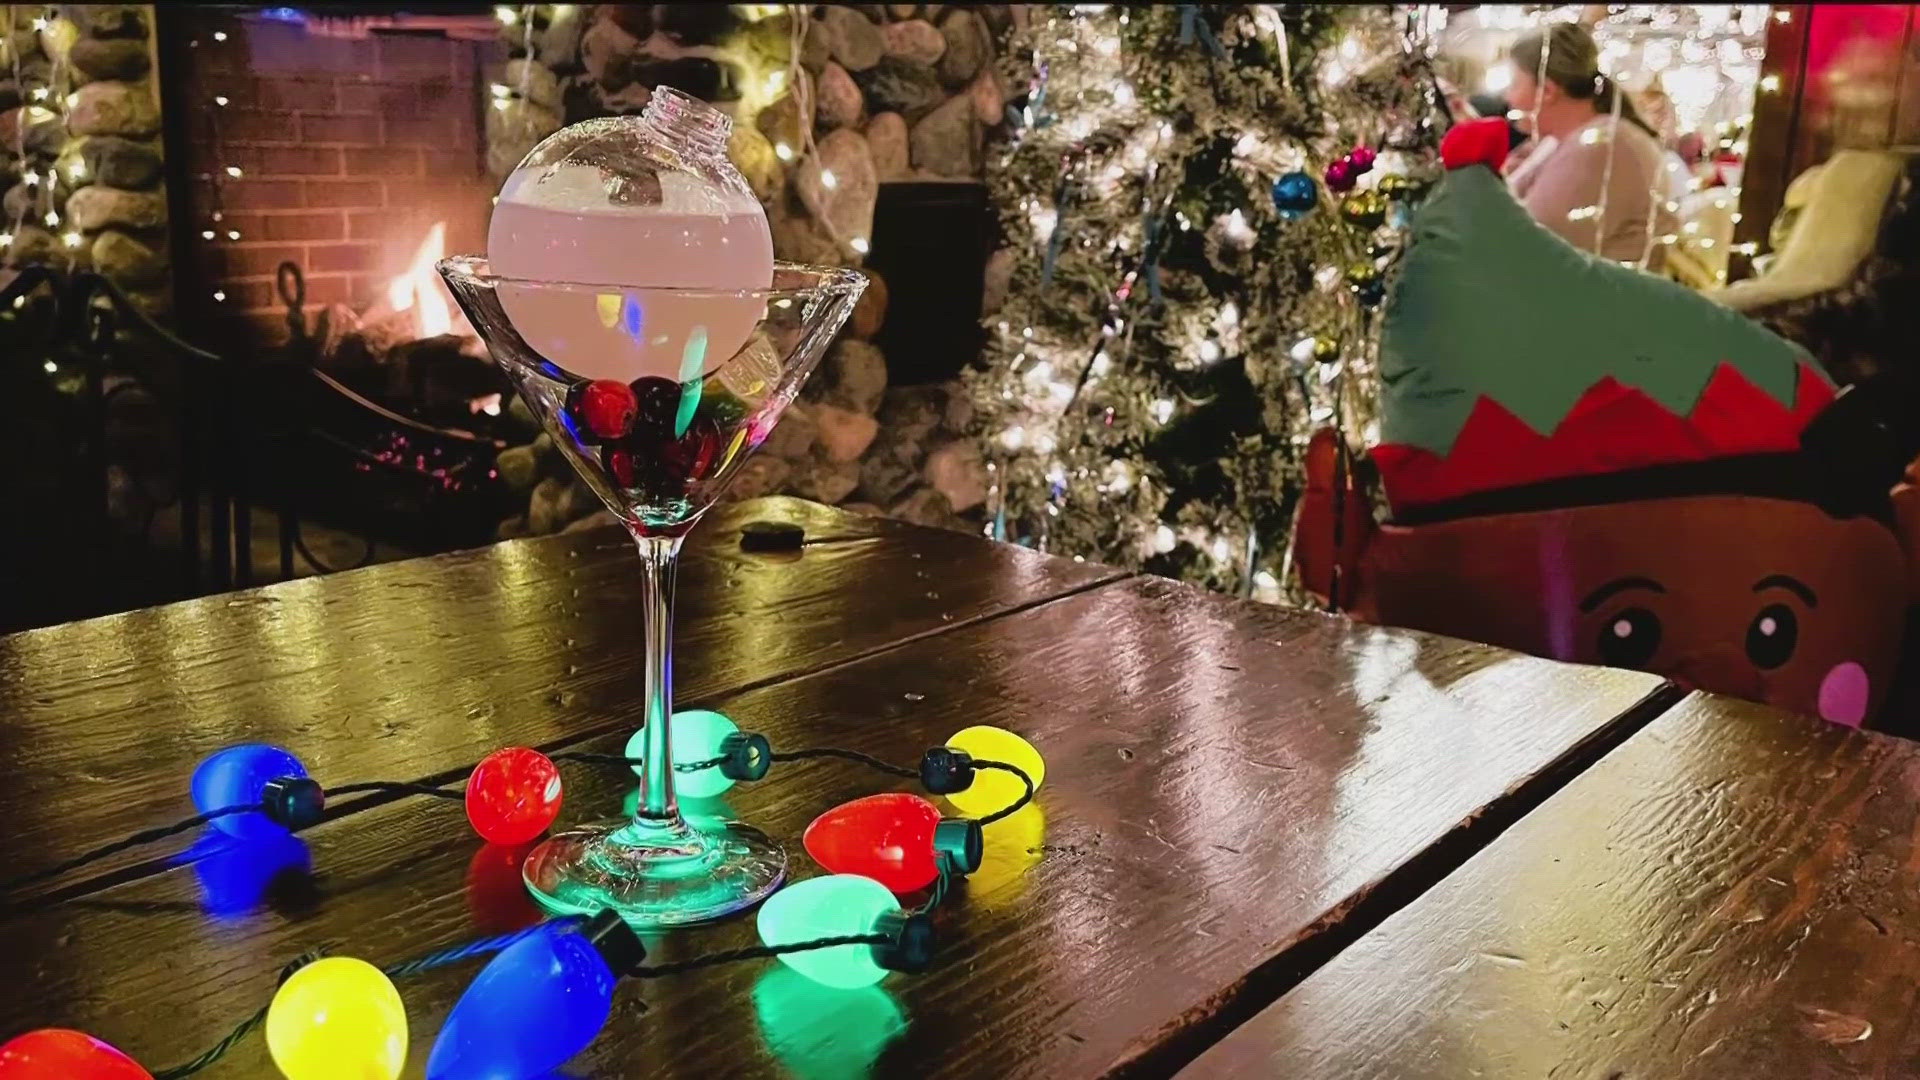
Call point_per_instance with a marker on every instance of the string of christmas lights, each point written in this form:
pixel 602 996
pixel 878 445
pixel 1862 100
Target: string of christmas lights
pixel 548 992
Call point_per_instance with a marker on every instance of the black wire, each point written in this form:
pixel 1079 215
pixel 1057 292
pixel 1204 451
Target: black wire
pixel 397 786
pixel 754 952
pixel 240 1031
pixel 847 755
pixel 1019 803
pixel 481 947
pixel 145 836
pixel 586 757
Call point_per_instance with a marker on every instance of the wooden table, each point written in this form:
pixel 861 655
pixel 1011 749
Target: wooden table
pixel 1235 793
pixel 1733 892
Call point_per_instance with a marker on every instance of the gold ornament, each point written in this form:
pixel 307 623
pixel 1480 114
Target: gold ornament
pixel 1364 209
pixel 1396 186
pixel 1362 274
pixel 1325 349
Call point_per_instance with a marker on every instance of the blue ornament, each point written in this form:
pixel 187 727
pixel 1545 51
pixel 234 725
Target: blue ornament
pixel 237 776
pixel 1294 194
pixel 537 1004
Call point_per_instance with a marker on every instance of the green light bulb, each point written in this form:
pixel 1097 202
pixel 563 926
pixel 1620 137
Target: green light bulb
pixel 697 735
pixel 837 905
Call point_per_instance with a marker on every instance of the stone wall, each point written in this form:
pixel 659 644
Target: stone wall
pixel 875 93
pixel 80 135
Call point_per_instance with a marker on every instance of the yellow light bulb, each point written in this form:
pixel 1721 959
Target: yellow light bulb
pixel 994 789
pixel 338 1017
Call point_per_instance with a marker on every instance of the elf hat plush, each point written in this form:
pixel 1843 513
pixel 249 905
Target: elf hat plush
pixel 1520 372
pixel 1587 463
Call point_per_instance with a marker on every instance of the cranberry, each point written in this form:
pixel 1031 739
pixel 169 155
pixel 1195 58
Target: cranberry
pixel 619 464
pixel 657 405
pixel 600 410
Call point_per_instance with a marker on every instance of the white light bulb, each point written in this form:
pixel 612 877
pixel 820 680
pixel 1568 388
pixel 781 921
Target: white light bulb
pixel 1014 437
pixel 219 295
pixel 783 151
pixel 72 239
pixel 1163 539
pixel 1163 410
pixel 1209 351
pixel 1221 550
pixel 505 15
pixel 859 244
pixel 1499 77
pixel 219 35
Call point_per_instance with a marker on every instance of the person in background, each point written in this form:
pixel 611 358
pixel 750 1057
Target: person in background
pixel 1563 171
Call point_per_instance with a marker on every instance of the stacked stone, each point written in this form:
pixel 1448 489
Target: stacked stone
pixel 888 92
pixel 104 152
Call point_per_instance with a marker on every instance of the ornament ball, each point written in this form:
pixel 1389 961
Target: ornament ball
pixel 1325 349
pixel 1361 158
pixel 1340 176
pixel 1367 283
pixel 1395 186
pixel 1364 209
pixel 1294 194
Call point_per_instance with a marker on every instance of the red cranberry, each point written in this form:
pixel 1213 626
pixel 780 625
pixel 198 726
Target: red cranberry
pixel 607 406
pixel 619 464
pixel 657 405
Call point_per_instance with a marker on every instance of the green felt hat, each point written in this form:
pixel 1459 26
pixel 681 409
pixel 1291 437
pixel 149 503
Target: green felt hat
pixel 1495 320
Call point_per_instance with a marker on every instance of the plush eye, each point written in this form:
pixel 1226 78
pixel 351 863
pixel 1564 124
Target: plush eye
pixel 1771 636
pixel 1630 638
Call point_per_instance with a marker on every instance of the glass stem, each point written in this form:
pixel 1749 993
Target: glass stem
pixel 659 555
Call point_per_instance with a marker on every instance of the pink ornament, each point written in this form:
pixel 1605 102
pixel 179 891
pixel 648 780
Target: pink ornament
pixel 1361 158
pixel 1340 176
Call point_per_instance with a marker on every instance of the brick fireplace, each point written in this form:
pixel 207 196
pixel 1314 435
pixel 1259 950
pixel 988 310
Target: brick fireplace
pixel 334 141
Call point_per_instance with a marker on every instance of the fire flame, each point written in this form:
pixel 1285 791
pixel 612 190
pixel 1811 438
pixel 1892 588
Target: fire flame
pixel 418 287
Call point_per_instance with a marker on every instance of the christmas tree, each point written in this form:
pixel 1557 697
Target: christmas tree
pixel 1197 200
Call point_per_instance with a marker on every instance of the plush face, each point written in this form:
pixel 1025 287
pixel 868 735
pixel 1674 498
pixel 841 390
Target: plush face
pixel 1763 599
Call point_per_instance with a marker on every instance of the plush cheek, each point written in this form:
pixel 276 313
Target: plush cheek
pixel 1844 694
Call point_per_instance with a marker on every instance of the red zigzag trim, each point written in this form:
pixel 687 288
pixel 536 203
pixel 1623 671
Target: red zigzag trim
pixel 1613 427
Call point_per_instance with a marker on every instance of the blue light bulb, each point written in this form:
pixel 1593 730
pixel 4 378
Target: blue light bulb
pixel 540 1002
pixel 236 776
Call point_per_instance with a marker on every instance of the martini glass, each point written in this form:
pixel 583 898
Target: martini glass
pixel 656 396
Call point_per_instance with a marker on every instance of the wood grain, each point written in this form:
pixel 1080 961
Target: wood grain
pixel 1228 784
pixel 1731 893
pixel 415 670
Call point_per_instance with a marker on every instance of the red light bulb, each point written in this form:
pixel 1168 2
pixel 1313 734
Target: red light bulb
pixel 513 795
pixel 59 1054
pixel 887 837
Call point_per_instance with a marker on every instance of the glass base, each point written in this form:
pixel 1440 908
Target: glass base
pixel 655 874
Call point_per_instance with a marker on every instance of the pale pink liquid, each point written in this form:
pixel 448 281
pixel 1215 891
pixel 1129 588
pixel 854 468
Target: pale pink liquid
pixel 637 322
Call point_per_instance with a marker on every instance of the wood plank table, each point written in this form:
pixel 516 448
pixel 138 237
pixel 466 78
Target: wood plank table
pixel 414 670
pixel 1234 792
pixel 1733 892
